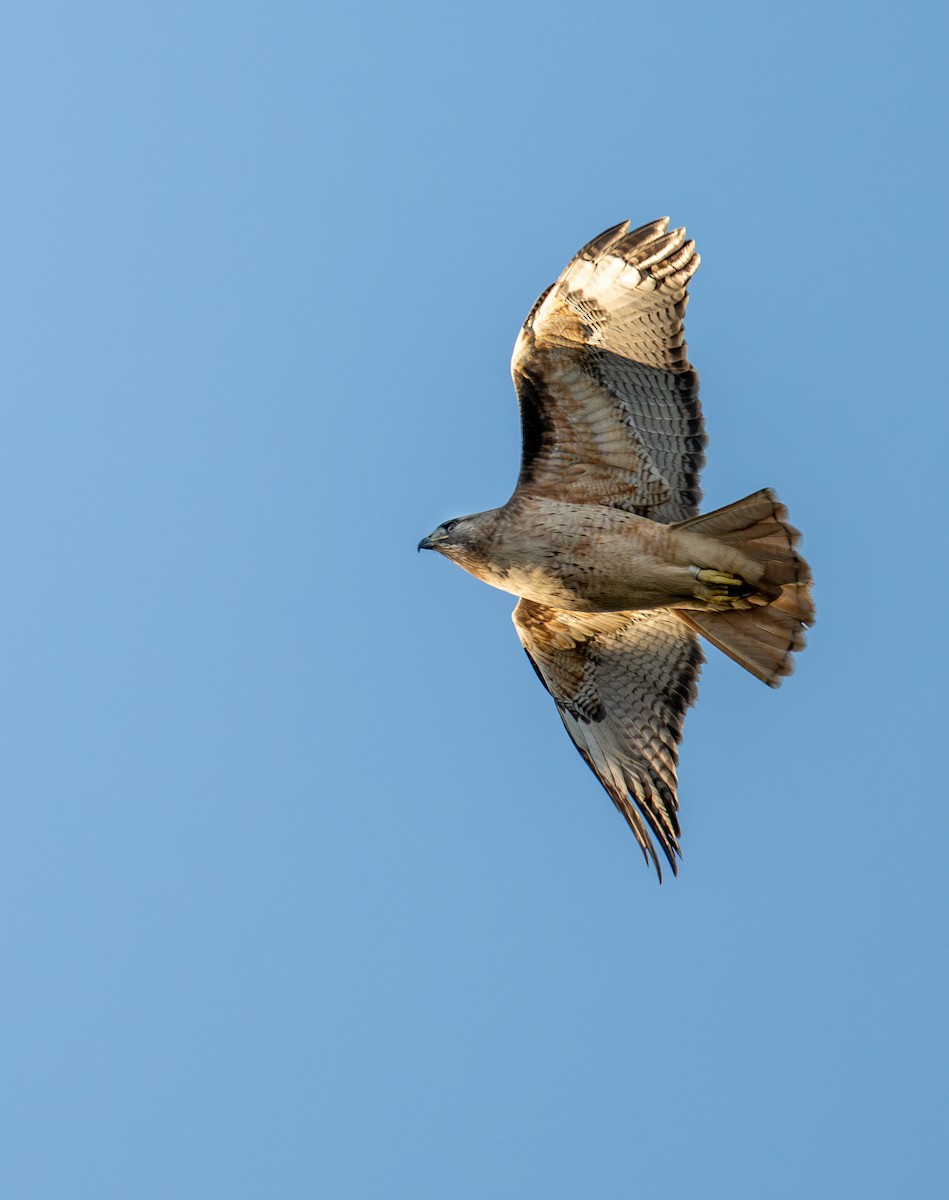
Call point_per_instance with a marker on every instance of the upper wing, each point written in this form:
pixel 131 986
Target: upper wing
pixel 622 683
pixel 609 404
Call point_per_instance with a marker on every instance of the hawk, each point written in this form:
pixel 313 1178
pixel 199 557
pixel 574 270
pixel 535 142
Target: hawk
pixel 615 572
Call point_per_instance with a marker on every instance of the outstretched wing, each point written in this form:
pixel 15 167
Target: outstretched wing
pixel 609 404
pixel 622 683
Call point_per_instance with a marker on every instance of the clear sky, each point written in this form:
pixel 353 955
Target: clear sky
pixel 303 890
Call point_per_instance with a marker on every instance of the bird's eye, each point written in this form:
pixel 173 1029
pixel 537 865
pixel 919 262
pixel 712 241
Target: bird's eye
pixel 450 525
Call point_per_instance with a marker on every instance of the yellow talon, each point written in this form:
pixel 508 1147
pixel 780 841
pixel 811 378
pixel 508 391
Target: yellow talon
pixel 719 579
pixel 722 589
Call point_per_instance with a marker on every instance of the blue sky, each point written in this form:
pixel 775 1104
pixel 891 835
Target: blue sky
pixel 303 890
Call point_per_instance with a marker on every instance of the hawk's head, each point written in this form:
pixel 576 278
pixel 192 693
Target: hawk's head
pixel 465 540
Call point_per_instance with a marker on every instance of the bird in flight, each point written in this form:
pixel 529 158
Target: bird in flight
pixel 615 572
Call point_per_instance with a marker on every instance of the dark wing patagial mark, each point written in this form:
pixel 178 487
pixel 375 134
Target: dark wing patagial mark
pixel 622 683
pixel 609 403
pixel 537 428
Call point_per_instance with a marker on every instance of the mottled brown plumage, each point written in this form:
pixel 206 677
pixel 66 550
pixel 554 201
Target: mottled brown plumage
pixel 601 541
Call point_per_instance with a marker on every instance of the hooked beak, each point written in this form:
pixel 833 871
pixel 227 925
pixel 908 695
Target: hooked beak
pixel 434 540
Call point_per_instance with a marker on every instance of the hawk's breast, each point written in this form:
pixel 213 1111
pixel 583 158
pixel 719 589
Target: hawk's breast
pixel 585 558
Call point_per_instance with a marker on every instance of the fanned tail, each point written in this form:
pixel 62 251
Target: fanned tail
pixel 761 638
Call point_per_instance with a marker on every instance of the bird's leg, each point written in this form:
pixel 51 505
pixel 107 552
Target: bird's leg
pixel 721 587
pixel 717 578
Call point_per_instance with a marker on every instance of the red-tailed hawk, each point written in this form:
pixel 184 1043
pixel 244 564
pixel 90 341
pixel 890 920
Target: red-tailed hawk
pixel 601 541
